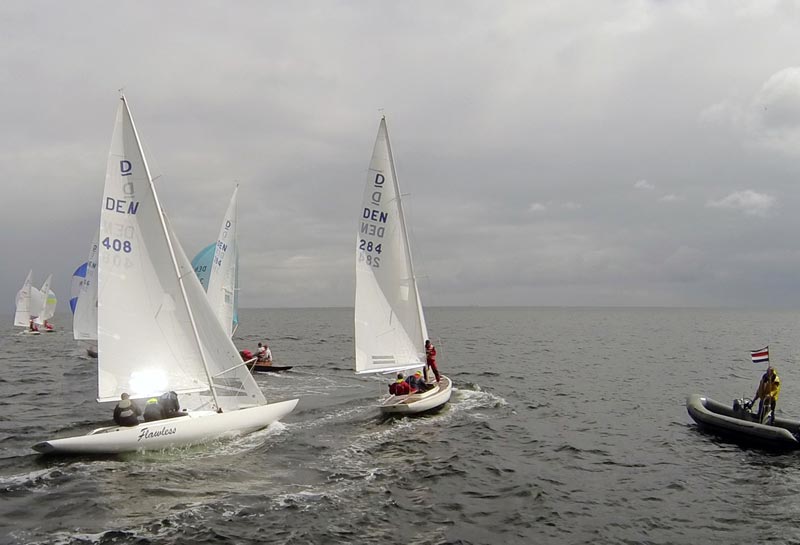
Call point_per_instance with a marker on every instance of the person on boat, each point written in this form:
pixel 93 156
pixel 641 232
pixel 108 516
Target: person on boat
pixel 399 387
pixel 126 413
pixel 430 360
pixel 48 326
pixel 170 407
pixel 152 411
pixel 768 389
pixel 416 382
pixel 264 354
pixel 32 326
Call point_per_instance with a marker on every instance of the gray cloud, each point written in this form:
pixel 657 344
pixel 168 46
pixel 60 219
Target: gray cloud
pixel 519 129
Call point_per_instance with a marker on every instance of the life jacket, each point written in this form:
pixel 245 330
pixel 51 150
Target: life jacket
pixel 401 388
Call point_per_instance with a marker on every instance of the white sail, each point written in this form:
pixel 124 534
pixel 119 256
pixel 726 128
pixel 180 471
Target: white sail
pixel 156 329
pixel 390 330
pixel 84 322
pixel 42 310
pixel 222 278
pixel 22 316
pixel 47 304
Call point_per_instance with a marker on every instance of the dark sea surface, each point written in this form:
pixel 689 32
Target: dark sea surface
pixel 565 426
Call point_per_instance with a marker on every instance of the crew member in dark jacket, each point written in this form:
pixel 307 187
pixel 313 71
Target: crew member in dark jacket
pixel 152 411
pixel 126 413
pixel 417 383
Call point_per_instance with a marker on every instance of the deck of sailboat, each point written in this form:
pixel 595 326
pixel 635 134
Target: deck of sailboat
pixel 419 402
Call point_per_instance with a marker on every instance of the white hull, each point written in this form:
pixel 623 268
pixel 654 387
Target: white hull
pixel 193 429
pixel 419 403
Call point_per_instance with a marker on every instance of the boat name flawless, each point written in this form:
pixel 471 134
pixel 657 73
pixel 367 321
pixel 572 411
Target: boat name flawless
pixel 147 434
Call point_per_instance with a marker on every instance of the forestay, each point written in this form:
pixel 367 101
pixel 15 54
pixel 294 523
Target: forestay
pixel 390 327
pixel 156 329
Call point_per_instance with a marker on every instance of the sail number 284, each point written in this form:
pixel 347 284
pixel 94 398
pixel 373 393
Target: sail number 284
pixel 117 245
pixel 366 256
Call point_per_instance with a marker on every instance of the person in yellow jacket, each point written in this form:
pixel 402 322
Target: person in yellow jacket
pixel 768 390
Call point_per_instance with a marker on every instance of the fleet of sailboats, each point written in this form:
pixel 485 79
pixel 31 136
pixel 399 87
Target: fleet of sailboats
pixel 34 306
pixel 390 329
pixel 158 323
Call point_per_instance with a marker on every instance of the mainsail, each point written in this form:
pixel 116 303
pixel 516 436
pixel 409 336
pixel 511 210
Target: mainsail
pixel 48 302
pixel 222 278
pixel 156 329
pixel 22 316
pixel 390 329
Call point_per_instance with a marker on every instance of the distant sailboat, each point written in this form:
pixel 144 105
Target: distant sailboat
pixel 26 301
pixel 390 329
pixel 156 329
pixel 84 301
pixel 48 308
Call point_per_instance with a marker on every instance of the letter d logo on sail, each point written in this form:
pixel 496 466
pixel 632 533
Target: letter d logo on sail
pixel 125 168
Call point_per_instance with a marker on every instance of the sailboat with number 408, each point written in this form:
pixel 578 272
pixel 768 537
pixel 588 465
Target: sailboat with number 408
pixel 156 331
pixel 390 330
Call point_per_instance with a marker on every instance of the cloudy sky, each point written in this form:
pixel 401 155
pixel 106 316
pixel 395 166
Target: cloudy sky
pixel 553 152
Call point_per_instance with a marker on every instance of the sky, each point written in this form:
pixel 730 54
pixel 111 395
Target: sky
pixel 552 153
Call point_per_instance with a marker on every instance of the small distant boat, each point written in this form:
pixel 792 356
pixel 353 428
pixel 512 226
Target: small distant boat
pixel 83 301
pixel 49 306
pixel 157 332
pixel 737 422
pixel 390 329
pixel 33 307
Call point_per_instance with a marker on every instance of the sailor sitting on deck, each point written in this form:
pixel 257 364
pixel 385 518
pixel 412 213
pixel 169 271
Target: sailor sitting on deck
pixel 126 413
pixel 417 383
pixel 152 411
pixel 399 387
pixel 169 405
pixel 768 390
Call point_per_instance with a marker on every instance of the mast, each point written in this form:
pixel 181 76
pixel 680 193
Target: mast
pixel 172 253
pixel 402 216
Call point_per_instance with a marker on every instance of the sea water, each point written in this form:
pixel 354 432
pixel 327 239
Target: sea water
pixel 565 426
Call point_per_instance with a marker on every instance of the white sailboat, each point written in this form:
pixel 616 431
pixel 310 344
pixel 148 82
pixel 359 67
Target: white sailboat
pixel 390 329
pixel 48 305
pixel 26 301
pixel 223 275
pixel 156 329
pixel 84 302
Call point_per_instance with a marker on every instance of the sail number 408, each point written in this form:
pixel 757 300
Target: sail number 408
pixel 368 246
pixel 117 245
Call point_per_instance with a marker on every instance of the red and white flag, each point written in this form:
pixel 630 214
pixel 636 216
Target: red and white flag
pixel 760 356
